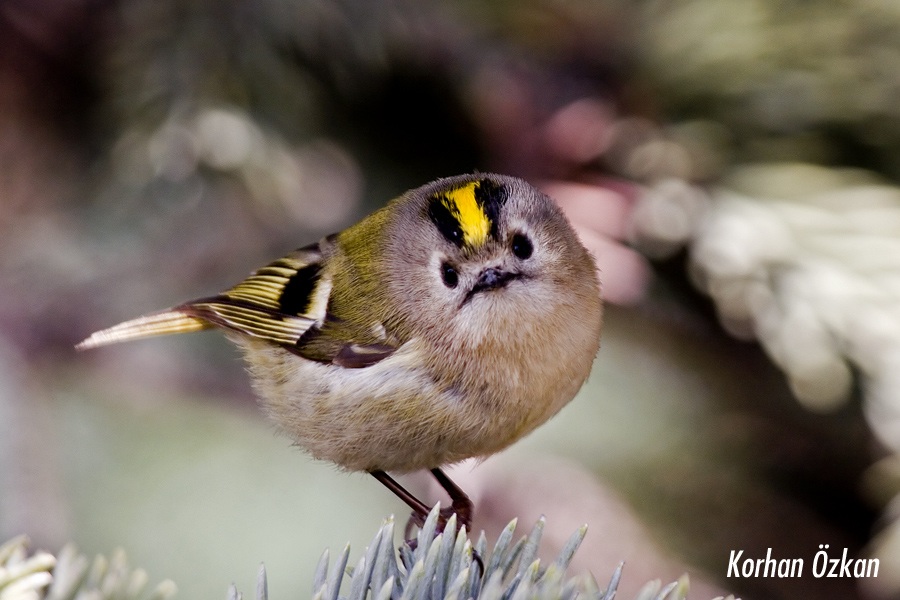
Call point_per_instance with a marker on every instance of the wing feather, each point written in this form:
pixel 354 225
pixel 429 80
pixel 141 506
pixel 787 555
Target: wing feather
pixel 254 307
pixel 285 302
pixel 256 321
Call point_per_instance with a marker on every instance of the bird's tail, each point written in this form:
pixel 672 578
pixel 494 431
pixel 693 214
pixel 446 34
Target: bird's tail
pixel 161 323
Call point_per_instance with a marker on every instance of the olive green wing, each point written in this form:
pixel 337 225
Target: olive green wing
pixel 285 303
pixel 277 303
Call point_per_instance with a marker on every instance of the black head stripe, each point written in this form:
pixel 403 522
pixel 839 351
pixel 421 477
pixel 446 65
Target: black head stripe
pixel 444 219
pixel 297 294
pixel 491 197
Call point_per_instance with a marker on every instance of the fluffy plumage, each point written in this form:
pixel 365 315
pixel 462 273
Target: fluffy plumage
pixel 444 326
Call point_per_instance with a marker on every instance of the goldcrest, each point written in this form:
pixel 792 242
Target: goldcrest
pixel 444 326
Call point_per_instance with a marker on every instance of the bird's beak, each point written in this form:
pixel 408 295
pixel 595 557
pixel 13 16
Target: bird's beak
pixel 491 278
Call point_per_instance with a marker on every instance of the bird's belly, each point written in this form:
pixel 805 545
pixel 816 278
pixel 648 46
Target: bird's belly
pixel 391 416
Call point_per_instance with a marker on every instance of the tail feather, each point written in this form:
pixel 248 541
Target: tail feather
pixel 161 323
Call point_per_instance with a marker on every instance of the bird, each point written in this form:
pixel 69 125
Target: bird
pixel 444 326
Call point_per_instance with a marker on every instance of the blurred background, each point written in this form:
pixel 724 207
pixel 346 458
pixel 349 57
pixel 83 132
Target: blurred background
pixel 733 166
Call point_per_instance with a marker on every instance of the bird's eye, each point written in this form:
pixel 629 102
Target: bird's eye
pixel 521 246
pixel 449 275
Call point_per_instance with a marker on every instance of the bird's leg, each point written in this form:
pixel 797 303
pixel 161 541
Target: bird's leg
pixel 419 508
pixel 459 501
pixel 460 504
pixel 420 511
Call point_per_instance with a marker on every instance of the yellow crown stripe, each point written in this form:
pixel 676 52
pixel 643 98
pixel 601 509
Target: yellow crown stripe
pixel 473 221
